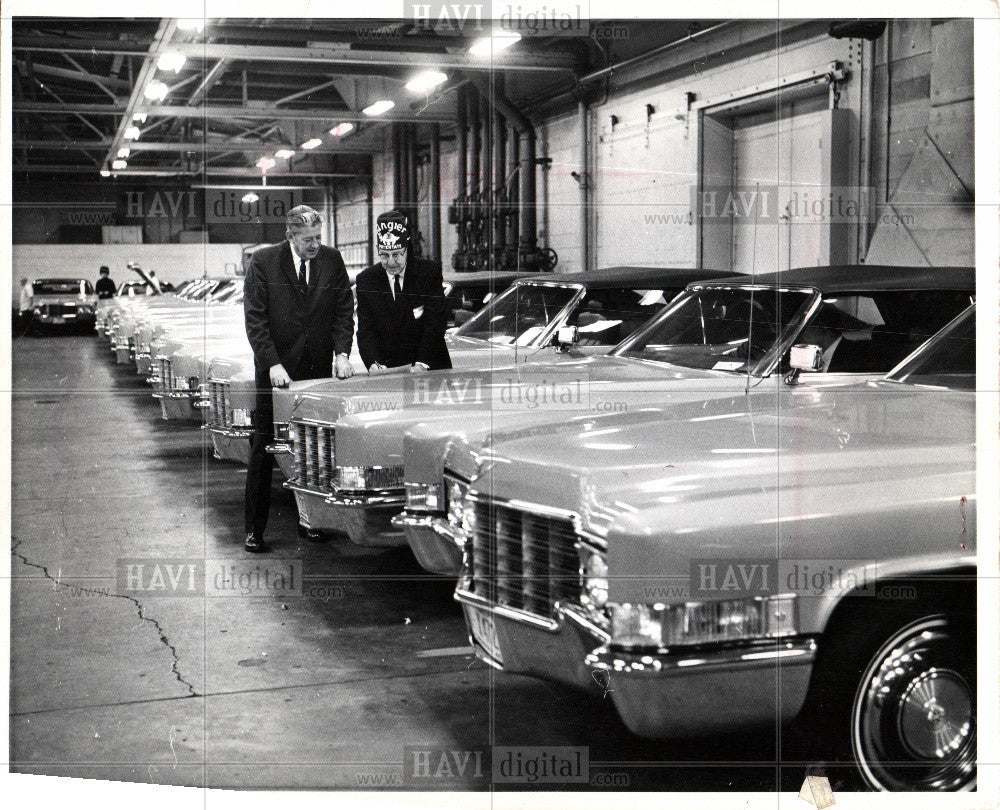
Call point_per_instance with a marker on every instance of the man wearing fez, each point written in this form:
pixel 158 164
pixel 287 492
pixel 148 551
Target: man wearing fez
pixel 402 314
pixel 299 314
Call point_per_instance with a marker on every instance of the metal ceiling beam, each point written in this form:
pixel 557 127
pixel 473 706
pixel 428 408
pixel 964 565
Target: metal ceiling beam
pixel 231 145
pixel 514 59
pixel 164 33
pixel 72 75
pixel 219 111
pixel 86 75
pixel 223 171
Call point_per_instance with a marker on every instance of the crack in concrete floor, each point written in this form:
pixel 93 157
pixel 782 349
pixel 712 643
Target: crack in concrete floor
pixel 140 610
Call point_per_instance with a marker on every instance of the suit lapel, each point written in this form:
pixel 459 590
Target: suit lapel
pixel 289 270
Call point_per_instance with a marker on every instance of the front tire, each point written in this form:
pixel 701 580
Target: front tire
pixel 913 716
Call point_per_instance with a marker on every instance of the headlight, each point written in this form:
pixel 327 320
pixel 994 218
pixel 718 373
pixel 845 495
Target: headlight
pixel 242 417
pixel 282 432
pixel 192 383
pixel 351 478
pixel 457 490
pixel 368 478
pixel 703 622
pixel 181 384
pixel 425 497
pixel 595 580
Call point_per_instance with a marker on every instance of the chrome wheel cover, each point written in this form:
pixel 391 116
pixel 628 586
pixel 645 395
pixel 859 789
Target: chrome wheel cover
pixel 913 720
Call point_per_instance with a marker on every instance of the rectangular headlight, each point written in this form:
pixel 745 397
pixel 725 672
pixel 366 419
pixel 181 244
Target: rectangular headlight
pixel 703 622
pixel 242 417
pixel 425 497
pixel 282 432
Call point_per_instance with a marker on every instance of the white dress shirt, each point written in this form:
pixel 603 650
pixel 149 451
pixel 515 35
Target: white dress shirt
pixel 392 278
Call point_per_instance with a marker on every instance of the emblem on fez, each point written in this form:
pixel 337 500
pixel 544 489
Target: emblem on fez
pixel 389 240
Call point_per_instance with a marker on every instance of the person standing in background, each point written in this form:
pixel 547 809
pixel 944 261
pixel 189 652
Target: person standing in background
pixel 23 321
pixel 402 314
pixel 299 313
pixel 105 287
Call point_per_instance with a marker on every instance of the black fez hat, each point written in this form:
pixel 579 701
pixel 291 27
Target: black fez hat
pixel 392 231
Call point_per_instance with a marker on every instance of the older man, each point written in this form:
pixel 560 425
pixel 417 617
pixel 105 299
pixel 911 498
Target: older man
pixel 402 314
pixel 299 314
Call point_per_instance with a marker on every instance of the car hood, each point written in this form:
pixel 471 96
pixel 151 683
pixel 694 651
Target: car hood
pixel 723 462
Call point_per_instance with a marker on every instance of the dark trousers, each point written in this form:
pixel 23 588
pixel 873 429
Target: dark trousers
pixel 257 495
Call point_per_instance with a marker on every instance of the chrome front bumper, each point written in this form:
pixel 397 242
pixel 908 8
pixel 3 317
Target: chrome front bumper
pixel 693 692
pixel 552 649
pixel 176 406
pixel 231 446
pixel 434 545
pixel 366 517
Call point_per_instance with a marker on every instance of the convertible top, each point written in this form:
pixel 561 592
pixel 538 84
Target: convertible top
pixel 856 278
pixel 639 278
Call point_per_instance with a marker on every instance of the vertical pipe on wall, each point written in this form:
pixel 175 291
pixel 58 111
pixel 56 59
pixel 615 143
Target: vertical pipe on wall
pixel 584 181
pixel 475 146
pixel 435 192
pixel 462 166
pixel 513 156
pixel 411 182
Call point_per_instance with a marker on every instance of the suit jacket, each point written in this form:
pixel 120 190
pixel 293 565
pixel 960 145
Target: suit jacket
pixel 410 329
pixel 285 326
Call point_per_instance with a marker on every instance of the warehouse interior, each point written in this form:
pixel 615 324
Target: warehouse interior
pixel 746 146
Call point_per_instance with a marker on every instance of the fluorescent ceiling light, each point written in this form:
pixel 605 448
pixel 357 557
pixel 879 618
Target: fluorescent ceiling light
pixel 156 90
pixel 426 81
pixel 124 152
pixel 118 164
pixel 140 117
pixel 191 24
pixel 379 107
pixel 487 46
pixel 132 133
pixel 265 163
pixel 342 129
pixel 171 61
pixel 284 153
pixel 250 197
pixel 312 143
pixel 105 173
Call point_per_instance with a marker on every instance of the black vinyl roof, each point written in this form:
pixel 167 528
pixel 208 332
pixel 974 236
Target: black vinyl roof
pixel 849 278
pixel 639 278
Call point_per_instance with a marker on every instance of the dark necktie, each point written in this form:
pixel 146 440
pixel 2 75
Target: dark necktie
pixel 303 283
pixel 397 290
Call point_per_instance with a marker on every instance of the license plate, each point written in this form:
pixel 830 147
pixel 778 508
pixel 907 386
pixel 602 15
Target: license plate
pixel 484 631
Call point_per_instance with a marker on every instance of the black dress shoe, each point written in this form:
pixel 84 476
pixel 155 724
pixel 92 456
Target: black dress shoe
pixel 255 543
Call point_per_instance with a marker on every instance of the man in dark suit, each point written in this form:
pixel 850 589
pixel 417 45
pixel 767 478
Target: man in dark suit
pixel 402 315
pixel 105 287
pixel 299 314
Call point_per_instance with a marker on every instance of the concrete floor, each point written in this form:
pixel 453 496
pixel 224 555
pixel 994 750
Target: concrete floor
pixel 300 692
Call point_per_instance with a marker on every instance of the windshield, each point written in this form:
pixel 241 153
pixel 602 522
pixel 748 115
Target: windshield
pixel 61 287
pixel 605 317
pixel 520 315
pixel 949 360
pixel 229 294
pixel 717 328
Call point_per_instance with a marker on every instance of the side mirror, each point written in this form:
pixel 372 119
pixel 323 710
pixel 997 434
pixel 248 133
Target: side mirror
pixel 462 315
pixel 806 357
pixel 566 338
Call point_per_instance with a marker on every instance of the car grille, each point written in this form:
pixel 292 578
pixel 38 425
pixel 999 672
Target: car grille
pixel 313 454
pixel 523 560
pixel 166 383
pixel 58 310
pixel 219 407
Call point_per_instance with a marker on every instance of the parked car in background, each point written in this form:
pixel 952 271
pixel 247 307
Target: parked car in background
pixel 797 551
pixel 693 350
pixel 63 302
pixel 360 496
